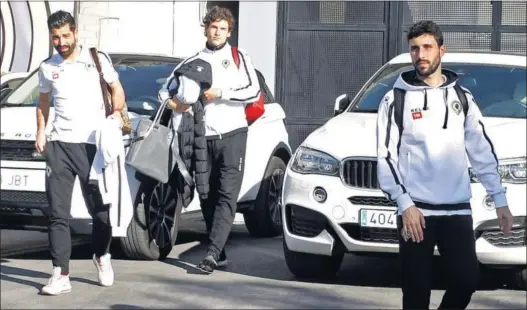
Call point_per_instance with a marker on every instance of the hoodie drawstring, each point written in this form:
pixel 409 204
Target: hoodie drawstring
pixel 445 98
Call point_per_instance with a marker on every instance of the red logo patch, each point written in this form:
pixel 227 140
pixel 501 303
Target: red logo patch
pixel 55 75
pixel 417 115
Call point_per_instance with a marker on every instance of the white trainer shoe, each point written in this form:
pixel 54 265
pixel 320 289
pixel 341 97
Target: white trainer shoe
pixel 57 284
pixel 104 269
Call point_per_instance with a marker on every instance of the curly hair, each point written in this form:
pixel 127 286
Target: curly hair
pixel 217 13
pixel 426 27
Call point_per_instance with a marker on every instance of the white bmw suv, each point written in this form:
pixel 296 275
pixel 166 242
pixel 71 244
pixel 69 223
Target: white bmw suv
pixel 332 203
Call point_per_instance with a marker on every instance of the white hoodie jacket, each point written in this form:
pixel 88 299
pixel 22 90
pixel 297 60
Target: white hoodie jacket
pixel 238 88
pixel 429 163
pixel 108 169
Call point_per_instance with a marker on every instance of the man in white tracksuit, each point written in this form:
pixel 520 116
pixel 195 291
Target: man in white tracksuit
pixel 424 169
pixel 225 125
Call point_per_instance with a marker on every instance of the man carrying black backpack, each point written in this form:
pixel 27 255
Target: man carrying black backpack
pixel 426 126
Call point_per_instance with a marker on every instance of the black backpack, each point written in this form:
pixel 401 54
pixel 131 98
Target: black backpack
pixel 398 95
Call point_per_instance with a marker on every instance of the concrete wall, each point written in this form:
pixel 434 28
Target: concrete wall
pixel 174 28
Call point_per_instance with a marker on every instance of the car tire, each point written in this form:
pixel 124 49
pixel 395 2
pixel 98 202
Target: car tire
pixel 154 227
pixel 264 218
pixel 312 266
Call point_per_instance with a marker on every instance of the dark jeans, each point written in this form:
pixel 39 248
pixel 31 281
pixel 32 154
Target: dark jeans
pixel 65 161
pixel 455 240
pixel 226 163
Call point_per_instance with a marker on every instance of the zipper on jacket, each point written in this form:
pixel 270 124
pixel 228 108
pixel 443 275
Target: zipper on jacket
pixel 425 107
pixel 445 99
pixel 104 180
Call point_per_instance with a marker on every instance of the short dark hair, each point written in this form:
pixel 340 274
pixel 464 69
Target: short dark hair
pixel 61 18
pixel 217 13
pixel 426 27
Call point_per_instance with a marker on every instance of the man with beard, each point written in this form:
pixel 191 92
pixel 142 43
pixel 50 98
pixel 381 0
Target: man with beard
pixel 70 79
pixel 225 126
pixel 426 126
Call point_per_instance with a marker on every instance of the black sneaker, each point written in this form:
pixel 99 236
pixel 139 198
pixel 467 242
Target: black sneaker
pixel 208 264
pixel 222 261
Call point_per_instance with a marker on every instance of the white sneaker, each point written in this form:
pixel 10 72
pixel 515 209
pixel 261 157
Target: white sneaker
pixel 104 269
pixel 57 284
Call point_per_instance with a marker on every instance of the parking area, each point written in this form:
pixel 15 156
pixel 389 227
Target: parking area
pixel 257 277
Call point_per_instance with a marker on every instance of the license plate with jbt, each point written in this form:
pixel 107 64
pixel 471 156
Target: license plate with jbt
pixel 378 218
pixel 23 180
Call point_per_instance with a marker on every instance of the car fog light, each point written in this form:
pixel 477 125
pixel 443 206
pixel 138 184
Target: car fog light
pixel 488 203
pixel 338 212
pixel 320 194
pixel 37 155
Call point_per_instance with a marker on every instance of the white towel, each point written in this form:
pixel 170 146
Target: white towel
pixel 108 169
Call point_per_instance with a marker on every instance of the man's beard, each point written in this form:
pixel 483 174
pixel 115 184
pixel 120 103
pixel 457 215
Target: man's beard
pixel 68 51
pixel 431 69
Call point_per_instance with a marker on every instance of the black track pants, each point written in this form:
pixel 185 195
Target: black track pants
pixel 454 237
pixel 66 161
pixel 226 163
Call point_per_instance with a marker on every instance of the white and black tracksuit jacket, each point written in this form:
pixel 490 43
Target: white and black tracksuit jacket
pixel 238 88
pixel 428 162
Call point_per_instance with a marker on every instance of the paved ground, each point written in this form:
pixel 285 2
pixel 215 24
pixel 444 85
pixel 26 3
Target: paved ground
pixel 257 278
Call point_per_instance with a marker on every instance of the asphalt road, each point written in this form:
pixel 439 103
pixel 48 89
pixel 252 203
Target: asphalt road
pixel 257 277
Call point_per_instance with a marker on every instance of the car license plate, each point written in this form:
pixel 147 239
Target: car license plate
pixel 378 218
pixel 23 180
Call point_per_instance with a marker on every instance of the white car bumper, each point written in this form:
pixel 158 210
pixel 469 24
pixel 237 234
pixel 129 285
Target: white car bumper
pixel 312 227
pixel 492 247
pixel 315 227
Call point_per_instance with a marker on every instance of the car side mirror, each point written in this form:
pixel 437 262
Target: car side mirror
pixel 341 103
pixel 4 92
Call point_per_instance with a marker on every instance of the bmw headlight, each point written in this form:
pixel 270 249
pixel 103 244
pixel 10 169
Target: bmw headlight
pixel 512 170
pixel 311 161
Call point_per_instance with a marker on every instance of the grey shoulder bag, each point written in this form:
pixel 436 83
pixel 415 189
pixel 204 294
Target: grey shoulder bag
pixel 154 150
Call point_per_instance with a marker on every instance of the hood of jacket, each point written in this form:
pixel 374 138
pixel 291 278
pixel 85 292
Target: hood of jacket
pixel 410 81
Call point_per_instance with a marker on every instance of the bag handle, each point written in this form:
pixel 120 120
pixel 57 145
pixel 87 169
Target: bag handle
pixel 104 88
pixel 154 124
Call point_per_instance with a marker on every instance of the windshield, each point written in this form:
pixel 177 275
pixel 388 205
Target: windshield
pixel 499 90
pixel 141 81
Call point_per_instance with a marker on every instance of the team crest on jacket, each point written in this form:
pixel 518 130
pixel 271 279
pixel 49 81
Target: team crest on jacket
pixel 456 106
pixel 225 63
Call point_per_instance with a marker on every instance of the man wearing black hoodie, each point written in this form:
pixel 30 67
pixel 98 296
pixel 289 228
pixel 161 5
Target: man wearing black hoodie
pixel 427 125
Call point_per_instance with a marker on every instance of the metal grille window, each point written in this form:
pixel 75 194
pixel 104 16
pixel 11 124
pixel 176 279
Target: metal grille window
pixel 468 41
pixel 449 12
pixel 314 82
pixel 514 42
pixel 514 13
pixel 335 12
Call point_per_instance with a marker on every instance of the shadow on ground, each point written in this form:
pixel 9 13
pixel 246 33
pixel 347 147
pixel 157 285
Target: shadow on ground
pixel 263 258
pixel 267 261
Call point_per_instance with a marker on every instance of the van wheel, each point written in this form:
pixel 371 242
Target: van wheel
pixel 154 228
pixel 265 219
pixel 312 266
